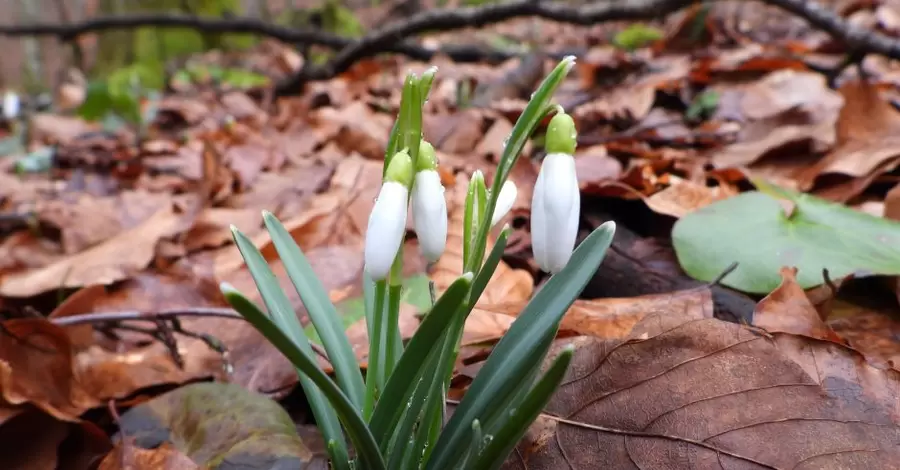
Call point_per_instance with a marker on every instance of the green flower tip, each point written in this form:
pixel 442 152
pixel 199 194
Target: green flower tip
pixel 561 135
pixel 400 169
pixel 427 159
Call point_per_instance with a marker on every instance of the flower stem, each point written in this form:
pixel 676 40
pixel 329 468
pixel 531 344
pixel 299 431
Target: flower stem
pixel 375 373
pixel 394 344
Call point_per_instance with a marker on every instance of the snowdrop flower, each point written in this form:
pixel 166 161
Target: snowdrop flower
pixel 429 205
pixel 505 201
pixel 387 222
pixel 11 105
pixel 556 203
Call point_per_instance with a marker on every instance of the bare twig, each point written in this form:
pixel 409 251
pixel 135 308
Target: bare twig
pixel 131 315
pixel 68 32
pixel 392 38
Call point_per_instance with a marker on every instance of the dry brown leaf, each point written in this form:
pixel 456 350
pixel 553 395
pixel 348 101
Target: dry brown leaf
pixel 84 221
pixel 785 107
pixel 127 456
pixel 594 166
pixel 506 285
pixel 361 129
pixel 787 309
pixel 111 261
pixel 212 228
pixel 631 103
pixel 682 197
pixel 867 135
pixel 615 317
pixel 493 143
pixel 454 133
pixel 36 367
pixel 36 441
pixel 684 392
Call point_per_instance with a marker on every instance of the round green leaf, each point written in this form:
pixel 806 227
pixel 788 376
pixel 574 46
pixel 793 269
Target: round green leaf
pixel 763 234
pixel 220 426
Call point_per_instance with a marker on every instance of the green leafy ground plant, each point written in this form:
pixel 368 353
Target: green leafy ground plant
pixel 395 417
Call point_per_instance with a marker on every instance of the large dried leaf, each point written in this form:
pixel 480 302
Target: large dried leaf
pixel 37 368
pixel 687 392
pixel 785 107
pixel 615 317
pixel 113 260
pixel 867 135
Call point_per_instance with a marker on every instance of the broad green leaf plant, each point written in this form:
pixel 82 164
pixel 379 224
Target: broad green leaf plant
pixel 396 418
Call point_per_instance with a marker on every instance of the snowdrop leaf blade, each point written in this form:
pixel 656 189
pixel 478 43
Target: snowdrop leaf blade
pixel 496 451
pixel 322 312
pixel 497 379
pixel 316 384
pixel 402 382
pixel 288 333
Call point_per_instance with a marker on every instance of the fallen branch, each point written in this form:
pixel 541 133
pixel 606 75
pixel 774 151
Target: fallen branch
pixel 392 38
pixel 69 32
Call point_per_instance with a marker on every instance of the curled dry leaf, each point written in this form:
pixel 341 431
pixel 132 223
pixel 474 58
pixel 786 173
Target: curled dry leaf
pixel 506 285
pixel 788 310
pixel 682 197
pixel 785 107
pixel 868 135
pixel 37 368
pixel 711 394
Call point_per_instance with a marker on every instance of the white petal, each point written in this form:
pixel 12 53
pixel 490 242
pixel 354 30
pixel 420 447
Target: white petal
pixel 10 105
pixel 505 201
pixel 559 203
pixel 539 222
pixel 430 214
pixel 387 224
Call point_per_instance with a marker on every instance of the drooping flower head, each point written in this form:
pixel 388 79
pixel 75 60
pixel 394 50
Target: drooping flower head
pixel 387 221
pixel 429 205
pixel 556 204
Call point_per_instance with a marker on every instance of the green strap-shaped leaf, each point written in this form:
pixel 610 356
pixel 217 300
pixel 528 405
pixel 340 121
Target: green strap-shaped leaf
pixel 490 265
pixel 282 316
pixel 493 455
pixel 322 312
pixel 402 382
pixel 315 384
pixel 496 381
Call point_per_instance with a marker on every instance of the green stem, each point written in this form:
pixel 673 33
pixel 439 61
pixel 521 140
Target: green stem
pixel 374 374
pixel 394 348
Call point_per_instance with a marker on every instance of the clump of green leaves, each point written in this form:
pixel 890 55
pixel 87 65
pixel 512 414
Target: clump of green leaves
pixel 395 417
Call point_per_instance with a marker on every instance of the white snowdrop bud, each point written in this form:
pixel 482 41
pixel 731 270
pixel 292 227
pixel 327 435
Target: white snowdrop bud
pixel 556 204
pixel 11 105
pixel 429 205
pixel 387 222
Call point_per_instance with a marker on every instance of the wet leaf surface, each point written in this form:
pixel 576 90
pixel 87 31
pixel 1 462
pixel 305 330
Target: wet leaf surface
pixel 216 426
